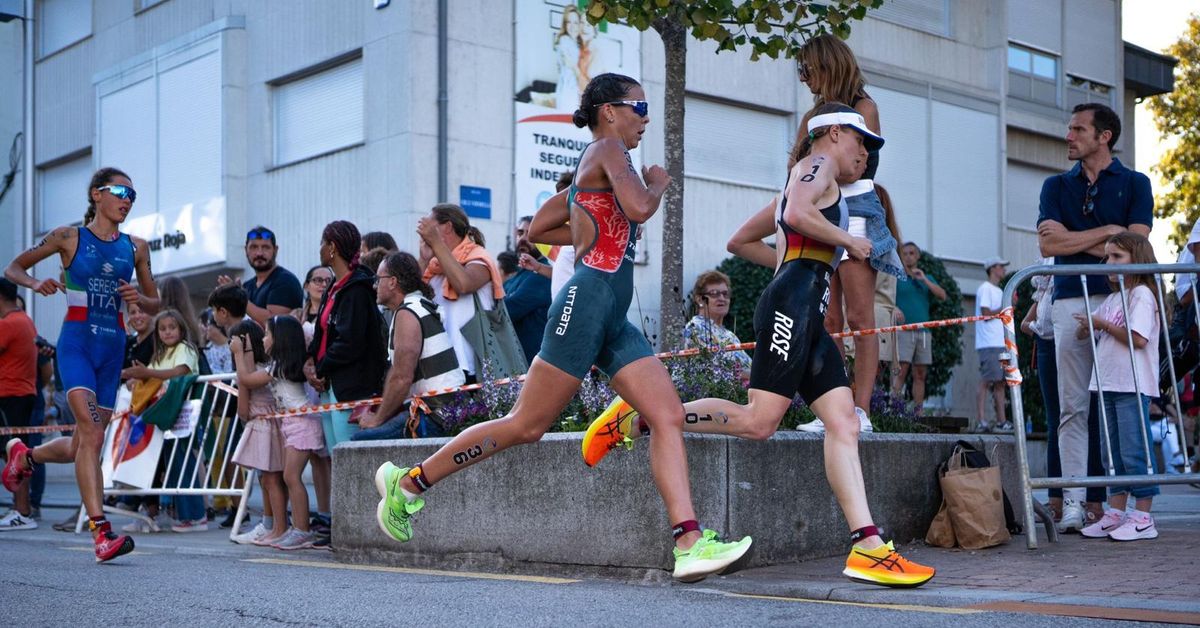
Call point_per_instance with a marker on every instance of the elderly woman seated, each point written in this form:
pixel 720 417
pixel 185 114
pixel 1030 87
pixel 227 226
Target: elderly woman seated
pixel 711 298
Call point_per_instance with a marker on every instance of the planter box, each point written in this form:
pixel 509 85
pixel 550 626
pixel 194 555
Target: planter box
pixel 540 503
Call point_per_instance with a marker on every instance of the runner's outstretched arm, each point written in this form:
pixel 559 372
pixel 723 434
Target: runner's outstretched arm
pixel 147 296
pixel 62 241
pixel 747 241
pixel 638 200
pixel 802 213
pixel 549 225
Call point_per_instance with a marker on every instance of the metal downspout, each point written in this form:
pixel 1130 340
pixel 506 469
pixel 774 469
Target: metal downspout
pixel 443 100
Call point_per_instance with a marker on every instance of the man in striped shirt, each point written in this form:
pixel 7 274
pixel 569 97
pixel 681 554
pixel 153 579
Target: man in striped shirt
pixel 419 350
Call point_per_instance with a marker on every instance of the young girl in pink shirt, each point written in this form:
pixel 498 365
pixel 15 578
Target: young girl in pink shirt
pixel 1125 388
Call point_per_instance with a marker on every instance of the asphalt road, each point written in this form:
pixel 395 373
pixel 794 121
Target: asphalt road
pixel 51 579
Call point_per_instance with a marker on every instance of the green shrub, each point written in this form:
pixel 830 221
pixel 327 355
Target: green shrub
pixel 749 280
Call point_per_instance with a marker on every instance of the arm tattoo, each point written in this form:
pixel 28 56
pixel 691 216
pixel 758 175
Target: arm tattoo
pixel 816 167
pixel 629 162
pixel 36 246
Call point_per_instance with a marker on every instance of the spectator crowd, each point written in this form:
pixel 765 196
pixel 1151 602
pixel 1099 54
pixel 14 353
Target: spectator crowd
pixel 370 321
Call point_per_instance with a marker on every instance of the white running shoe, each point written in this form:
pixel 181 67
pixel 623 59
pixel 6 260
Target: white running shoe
pixel 256 533
pixel 16 521
pixel 1111 520
pixel 295 539
pixel 864 421
pixel 137 526
pixel 198 525
pixel 1138 525
pixel 815 427
pixel 1072 517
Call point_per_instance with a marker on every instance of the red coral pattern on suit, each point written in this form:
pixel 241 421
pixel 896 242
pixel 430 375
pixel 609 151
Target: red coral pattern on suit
pixel 613 230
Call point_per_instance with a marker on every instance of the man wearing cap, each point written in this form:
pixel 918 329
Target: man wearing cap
pixel 989 344
pixel 273 289
pixel 1079 211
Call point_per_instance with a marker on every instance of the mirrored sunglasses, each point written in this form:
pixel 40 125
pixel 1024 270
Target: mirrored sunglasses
pixel 123 192
pixel 640 107
pixel 260 234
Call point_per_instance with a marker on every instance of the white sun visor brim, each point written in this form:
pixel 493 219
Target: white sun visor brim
pixel 852 120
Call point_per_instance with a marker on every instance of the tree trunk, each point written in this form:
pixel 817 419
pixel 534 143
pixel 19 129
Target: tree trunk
pixel 671 295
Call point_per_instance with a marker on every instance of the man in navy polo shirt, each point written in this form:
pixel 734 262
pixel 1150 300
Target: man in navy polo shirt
pixel 1079 211
pixel 273 289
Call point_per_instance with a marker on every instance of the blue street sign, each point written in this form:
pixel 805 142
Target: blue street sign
pixel 477 202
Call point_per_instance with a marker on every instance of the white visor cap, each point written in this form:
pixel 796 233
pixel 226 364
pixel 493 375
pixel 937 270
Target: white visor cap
pixel 851 119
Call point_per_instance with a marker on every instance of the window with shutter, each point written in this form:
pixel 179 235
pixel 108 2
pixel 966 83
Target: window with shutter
pixel 319 113
pixel 931 16
pixel 60 192
pixel 732 144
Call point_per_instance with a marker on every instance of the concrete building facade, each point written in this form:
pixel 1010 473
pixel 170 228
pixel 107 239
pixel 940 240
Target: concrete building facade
pixel 292 113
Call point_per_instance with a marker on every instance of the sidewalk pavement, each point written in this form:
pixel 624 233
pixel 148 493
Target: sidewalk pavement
pixel 1152 575
pixel 1156 580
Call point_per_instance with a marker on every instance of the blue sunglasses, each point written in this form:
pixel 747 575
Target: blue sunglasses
pixel 123 192
pixel 640 107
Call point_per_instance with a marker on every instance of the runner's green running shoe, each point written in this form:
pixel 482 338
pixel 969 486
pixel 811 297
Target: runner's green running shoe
pixel 395 512
pixel 708 556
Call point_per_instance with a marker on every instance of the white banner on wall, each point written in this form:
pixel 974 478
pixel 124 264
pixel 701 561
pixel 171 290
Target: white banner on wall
pixel 184 237
pixel 558 52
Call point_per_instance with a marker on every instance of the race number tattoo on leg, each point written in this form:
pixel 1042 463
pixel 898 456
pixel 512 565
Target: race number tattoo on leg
pixel 692 418
pixel 93 411
pixel 473 452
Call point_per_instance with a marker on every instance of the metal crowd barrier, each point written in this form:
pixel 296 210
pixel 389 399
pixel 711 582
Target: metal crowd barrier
pixel 1028 484
pixel 199 464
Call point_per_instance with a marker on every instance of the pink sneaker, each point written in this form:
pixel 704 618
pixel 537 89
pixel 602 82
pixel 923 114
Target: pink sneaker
pixel 1111 520
pixel 1138 525
pixel 15 471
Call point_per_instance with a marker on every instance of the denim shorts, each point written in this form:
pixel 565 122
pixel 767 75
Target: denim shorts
pixel 883 245
pixel 1127 431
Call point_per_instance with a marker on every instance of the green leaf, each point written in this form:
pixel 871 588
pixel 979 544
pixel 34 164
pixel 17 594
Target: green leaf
pixel 597 9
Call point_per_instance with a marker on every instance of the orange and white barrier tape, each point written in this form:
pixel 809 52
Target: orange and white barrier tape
pixel 948 322
pixel 418 400
pixel 1012 371
pixel 36 429
pixel 42 429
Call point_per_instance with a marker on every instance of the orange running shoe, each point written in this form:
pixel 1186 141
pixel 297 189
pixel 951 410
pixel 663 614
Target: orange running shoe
pixel 610 430
pixel 885 567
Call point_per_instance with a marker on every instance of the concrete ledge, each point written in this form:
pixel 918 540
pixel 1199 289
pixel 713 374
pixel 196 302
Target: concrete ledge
pixel 540 504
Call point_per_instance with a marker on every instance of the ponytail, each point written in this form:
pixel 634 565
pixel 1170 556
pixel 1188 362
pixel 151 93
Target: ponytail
pixel 476 235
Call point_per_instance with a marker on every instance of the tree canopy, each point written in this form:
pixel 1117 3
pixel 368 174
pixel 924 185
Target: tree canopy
pixel 1177 116
pixel 776 28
